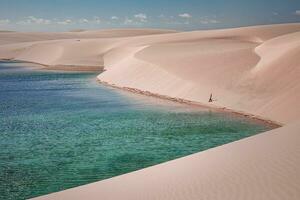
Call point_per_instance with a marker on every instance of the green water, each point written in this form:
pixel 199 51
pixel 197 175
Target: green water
pixel 60 130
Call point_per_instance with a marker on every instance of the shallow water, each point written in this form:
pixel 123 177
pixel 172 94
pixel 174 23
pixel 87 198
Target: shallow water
pixel 60 130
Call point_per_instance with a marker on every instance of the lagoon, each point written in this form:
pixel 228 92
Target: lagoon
pixel 60 130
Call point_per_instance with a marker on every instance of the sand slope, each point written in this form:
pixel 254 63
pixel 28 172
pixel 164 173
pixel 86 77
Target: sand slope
pixel 84 48
pixel 254 70
pixel 248 169
pixel 239 66
pixel 7 37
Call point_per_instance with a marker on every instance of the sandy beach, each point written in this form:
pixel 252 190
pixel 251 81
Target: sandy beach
pixel 251 70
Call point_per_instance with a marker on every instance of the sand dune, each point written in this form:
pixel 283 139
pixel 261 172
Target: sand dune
pixel 7 37
pixel 248 169
pixel 253 70
pixel 243 69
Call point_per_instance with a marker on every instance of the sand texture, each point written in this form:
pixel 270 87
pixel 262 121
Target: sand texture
pixel 252 70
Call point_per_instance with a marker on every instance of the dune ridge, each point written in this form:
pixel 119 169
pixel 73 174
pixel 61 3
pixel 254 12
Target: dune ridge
pixel 252 70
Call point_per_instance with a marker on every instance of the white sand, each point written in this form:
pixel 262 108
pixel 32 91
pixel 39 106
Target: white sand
pixel 254 70
pixel 262 167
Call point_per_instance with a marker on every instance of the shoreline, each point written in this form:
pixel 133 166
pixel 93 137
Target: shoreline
pixel 66 68
pixel 252 72
pixel 271 123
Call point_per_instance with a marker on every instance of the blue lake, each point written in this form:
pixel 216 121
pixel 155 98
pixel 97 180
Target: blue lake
pixel 62 129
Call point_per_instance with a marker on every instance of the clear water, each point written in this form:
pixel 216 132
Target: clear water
pixel 60 130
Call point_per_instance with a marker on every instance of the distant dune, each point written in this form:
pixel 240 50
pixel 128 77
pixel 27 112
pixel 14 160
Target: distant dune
pixel 8 37
pixel 252 70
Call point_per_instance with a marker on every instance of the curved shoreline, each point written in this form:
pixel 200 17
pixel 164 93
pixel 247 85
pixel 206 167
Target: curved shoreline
pixel 70 68
pixel 192 65
pixel 273 124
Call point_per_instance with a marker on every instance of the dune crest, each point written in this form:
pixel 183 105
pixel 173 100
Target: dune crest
pixel 252 70
pixel 239 66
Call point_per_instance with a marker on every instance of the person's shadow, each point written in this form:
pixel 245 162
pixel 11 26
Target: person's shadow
pixel 211 98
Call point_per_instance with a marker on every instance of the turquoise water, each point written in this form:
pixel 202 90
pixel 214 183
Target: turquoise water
pixel 60 130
